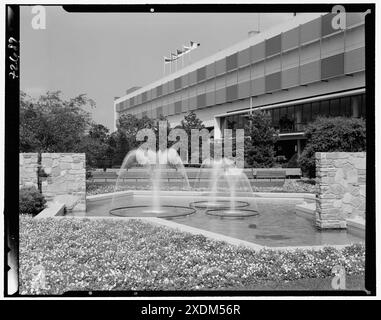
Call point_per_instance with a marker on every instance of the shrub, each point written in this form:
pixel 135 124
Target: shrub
pixel 338 134
pixel 260 138
pixel 31 201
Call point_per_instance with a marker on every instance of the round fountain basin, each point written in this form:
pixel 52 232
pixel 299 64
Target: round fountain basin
pixel 165 211
pixel 218 204
pixel 232 213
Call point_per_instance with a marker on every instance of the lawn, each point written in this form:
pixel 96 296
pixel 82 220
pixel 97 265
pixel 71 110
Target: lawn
pixel 58 255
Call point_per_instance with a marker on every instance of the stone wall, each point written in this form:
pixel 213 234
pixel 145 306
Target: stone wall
pixel 66 177
pixel 28 169
pixel 341 188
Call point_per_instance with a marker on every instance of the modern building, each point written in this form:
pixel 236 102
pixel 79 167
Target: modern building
pixel 295 71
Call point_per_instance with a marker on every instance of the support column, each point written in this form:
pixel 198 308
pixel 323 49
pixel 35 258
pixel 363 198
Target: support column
pixel 355 107
pixel 218 128
pixel 299 147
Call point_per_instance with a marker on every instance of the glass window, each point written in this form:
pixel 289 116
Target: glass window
pixel 335 108
pixel 363 106
pixel 307 112
pixel 315 106
pixel 275 117
pixel 324 108
pixel 345 106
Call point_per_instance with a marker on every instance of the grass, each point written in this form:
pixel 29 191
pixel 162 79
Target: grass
pixel 59 255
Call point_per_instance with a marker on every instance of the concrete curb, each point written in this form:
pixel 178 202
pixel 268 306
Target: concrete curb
pixel 53 210
pixel 103 196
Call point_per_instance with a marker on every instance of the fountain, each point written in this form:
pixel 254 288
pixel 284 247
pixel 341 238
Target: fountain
pixel 153 163
pixel 225 180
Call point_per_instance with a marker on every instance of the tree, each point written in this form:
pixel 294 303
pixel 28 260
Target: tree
pixel 260 138
pixel 191 121
pixel 335 134
pixel 51 124
pixel 129 125
pixel 95 145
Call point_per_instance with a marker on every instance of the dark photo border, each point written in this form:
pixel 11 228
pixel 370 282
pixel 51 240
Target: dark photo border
pixel 12 89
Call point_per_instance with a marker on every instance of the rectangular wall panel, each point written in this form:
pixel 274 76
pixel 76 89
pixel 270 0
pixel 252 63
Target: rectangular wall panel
pixel 326 24
pixel 354 60
pixel 159 112
pixel 210 98
pixel 221 96
pixel 192 77
pixel 153 93
pixel 273 45
pixel 332 66
pixel 244 90
pixel 290 39
pixel 184 80
pixel 244 74
pixel 139 99
pixel 221 66
pixel 178 107
pixel 290 59
pixel 355 38
pixel 201 101
pixel 244 57
pixel 201 74
pixel 354 18
pixel 165 110
pixel 144 96
pixel 231 78
pixel 185 105
pixel 132 101
pixel 193 103
pixel 178 83
pixel 210 71
pixel 310 31
pixel 165 88
pixel 273 82
pixel 231 93
pixel 332 45
pixel 231 62
pixel 310 72
pixel 220 82
pixel 290 78
pixel 257 52
pixel 171 109
pixel 171 86
pixel 273 64
pixel 159 91
pixel 310 52
pixel 258 86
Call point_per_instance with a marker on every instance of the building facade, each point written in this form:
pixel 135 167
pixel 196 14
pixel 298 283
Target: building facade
pixel 294 71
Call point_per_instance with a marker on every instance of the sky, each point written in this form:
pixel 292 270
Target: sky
pixel 104 54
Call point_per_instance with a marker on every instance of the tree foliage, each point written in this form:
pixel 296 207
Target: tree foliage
pixel 191 121
pixel 336 134
pixel 260 138
pixel 52 124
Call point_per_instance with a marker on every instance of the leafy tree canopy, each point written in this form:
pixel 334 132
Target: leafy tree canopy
pixel 260 137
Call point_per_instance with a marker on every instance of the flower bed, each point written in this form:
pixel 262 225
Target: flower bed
pixel 108 254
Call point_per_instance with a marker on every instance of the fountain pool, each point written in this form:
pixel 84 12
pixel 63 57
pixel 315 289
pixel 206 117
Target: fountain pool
pixel 277 224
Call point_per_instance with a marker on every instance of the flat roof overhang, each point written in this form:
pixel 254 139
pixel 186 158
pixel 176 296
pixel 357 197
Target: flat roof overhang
pixel 293 102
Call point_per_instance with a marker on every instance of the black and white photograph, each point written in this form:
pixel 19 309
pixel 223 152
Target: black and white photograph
pixel 189 150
